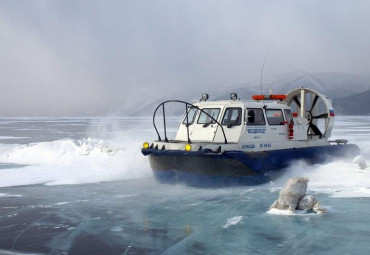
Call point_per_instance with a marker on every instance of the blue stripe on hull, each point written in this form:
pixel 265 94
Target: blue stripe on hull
pixel 198 180
pixel 235 167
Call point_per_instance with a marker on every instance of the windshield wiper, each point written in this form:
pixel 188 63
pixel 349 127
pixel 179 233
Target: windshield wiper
pixel 207 124
pixel 234 123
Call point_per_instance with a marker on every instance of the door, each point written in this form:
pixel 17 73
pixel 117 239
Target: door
pixel 205 128
pixel 232 123
pixel 187 123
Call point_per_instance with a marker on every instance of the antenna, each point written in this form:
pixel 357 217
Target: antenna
pixel 263 66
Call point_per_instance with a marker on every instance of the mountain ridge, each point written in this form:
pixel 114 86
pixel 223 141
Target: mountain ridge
pixel 355 104
pixel 337 86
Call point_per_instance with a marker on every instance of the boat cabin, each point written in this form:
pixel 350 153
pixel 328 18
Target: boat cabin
pixel 241 120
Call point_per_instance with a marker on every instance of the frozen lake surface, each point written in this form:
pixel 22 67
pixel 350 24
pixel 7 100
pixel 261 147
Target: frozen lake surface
pixel 81 186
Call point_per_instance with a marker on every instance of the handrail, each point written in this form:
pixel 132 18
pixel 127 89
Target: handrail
pixel 187 120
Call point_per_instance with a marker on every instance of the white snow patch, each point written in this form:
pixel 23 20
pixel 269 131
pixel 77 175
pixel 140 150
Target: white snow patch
pixel 123 196
pixel 232 221
pixel 9 195
pixel 116 229
pixel 276 211
pixel 61 203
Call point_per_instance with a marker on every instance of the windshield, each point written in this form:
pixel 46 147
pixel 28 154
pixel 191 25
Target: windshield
pixel 274 117
pixel 233 116
pixel 288 115
pixel 255 117
pixel 204 118
pixel 192 112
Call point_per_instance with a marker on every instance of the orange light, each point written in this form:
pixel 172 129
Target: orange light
pixel 269 97
pixel 258 97
pixel 277 97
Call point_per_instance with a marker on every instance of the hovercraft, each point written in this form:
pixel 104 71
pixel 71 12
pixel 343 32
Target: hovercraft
pixel 237 142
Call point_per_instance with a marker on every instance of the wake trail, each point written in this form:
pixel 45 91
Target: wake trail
pixel 338 178
pixel 70 161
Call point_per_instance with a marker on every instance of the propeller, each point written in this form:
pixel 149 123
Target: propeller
pixel 296 100
pixel 312 126
pixel 310 108
pixel 324 115
pixel 315 129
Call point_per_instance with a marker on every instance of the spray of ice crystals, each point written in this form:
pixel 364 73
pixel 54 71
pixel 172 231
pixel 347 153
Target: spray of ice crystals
pixel 72 162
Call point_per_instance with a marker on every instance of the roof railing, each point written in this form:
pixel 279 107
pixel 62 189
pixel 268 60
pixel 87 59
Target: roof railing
pixel 187 119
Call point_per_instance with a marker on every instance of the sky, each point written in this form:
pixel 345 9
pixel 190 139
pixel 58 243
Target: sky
pixel 86 58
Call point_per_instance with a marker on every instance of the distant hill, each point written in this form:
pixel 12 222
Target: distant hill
pixel 355 104
pixel 333 85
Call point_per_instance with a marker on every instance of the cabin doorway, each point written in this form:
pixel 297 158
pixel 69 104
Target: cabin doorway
pixel 205 128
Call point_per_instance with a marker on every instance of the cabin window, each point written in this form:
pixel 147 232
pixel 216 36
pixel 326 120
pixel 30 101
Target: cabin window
pixel 232 116
pixel 205 119
pixel 288 115
pixel 192 112
pixel 255 117
pixel 274 116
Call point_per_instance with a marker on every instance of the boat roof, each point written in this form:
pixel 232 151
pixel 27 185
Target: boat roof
pixel 246 103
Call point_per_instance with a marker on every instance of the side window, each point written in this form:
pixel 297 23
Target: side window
pixel 274 117
pixel 232 116
pixel 205 119
pixel 255 117
pixel 192 112
pixel 288 115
